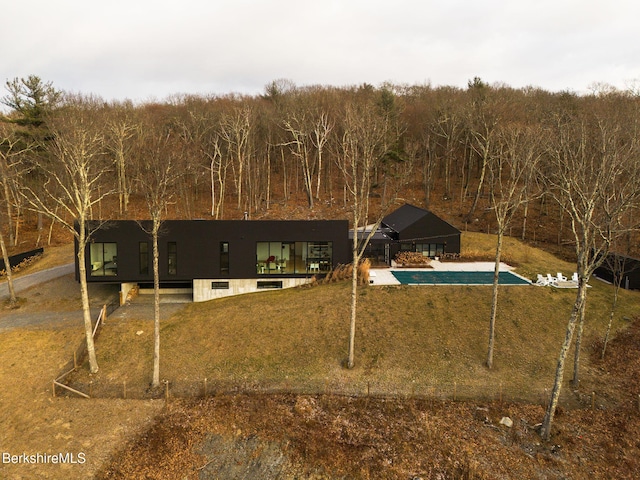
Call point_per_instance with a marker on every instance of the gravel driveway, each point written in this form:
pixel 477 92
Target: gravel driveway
pixel 51 297
pixel 27 281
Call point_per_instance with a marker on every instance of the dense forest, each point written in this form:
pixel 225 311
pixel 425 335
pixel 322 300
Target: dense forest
pixel 289 152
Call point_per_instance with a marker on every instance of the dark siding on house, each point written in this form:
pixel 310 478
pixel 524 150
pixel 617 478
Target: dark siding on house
pixel 630 275
pixel 198 246
pixel 416 225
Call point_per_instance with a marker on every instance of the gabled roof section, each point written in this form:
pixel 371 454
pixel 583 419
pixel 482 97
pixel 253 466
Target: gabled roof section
pixel 410 221
pixel 404 217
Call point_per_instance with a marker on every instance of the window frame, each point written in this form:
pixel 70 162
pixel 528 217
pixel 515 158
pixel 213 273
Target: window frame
pixel 100 250
pixel 225 259
pixel 172 258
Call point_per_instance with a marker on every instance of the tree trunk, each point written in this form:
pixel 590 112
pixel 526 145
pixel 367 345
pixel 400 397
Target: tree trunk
pixel 156 307
pixel 476 198
pixel 557 386
pixel 213 192
pixel 84 293
pixel 576 358
pixel 617 282
pixel 13 300
pixel 494 299
pixel 7 197
pixel 354 302
pixel 524 220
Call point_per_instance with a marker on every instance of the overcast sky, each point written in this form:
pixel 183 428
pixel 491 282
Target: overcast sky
pixel 150 49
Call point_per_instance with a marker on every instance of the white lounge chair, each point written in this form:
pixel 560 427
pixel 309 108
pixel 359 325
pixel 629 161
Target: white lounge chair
pixel 561 278
pixel 542 281
pixel 552 280
pixel 574 278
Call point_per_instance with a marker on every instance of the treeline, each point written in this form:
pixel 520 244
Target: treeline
pixel 246 153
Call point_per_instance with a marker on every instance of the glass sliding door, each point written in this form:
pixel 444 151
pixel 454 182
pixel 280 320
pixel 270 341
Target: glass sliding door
pixel 103 259
pixel 293 257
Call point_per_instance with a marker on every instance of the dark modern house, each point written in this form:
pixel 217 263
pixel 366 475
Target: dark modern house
pixel 627 269
pixel 216 258
pixel 410 228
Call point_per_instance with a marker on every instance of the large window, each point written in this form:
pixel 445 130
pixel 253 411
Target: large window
pixel 104 259
pixel 293 257
pixel 172 258
pixel 427 249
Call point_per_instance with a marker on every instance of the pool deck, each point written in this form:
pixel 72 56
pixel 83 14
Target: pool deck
pixel 384 276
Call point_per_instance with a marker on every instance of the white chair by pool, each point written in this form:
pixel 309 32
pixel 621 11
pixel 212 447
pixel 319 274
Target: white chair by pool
pixel 561 278
pixel 542 281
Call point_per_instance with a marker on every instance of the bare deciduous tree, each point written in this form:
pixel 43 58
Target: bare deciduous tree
pixel 158 169
pixel 12 151
pixel 618 265
pixel 594 175
pixel 510 167
pixel 482 129
pixel 359 152
pixel 119 132
pixel 74 169
pixel 15 150
pixel 235 130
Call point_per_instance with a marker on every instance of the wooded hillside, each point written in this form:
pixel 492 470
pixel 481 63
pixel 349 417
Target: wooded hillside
pixel 279 154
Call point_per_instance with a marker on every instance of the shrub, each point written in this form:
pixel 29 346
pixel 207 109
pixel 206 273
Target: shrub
pixel 344 272
pixel 412 258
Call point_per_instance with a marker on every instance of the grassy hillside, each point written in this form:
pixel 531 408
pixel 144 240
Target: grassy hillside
pixel 409 339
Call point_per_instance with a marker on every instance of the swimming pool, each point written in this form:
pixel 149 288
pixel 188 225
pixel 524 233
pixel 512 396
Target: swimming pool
pixel 427 277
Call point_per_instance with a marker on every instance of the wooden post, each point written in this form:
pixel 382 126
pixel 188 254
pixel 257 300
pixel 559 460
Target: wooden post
pixel 368 388
pixel 91 388
pixel 639 403
pixel 166 390
pixel 593 400
pixel 205 387
pixel 124 389
pixel 53 387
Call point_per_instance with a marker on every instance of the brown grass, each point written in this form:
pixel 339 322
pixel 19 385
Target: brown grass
pixel 33 422
pixel 409 339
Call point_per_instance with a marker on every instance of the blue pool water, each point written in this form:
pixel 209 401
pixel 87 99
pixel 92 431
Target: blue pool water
pixel 425 277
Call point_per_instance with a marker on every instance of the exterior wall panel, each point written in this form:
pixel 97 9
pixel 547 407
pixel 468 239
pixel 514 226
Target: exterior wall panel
pixel 198 246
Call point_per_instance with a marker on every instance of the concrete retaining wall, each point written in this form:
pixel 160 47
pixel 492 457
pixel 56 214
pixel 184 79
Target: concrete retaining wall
pixel 208 289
